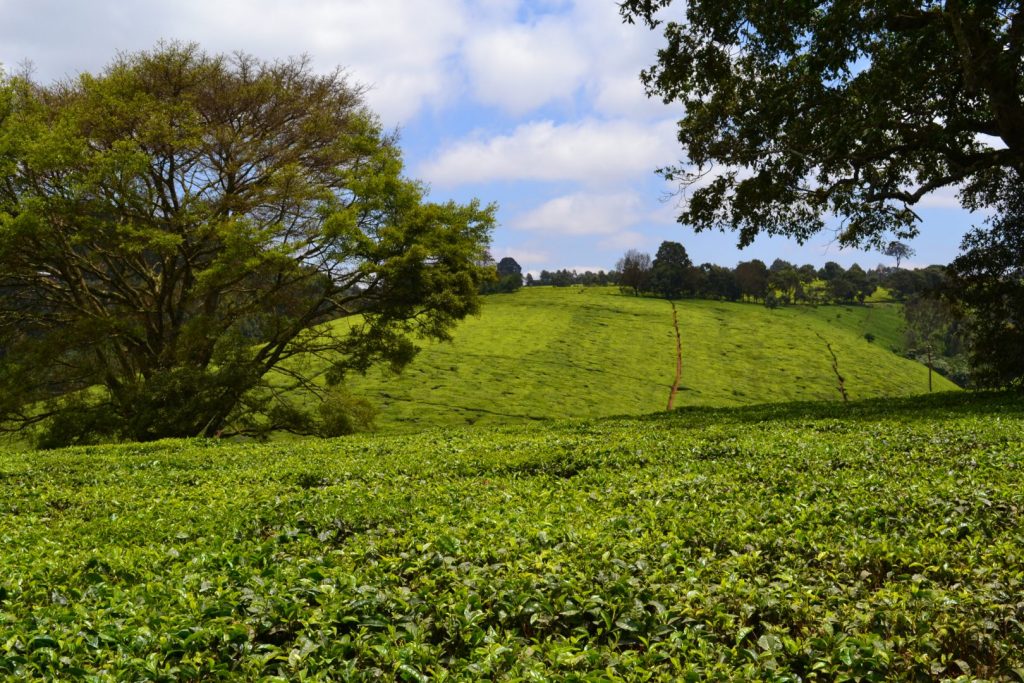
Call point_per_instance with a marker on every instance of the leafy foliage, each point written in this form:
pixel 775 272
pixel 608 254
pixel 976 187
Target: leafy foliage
pixel 634 270
pixel 879 541
pixel 988 280
pixel 932 332
pixel 177 226
pixel 798 110
pixel 670 271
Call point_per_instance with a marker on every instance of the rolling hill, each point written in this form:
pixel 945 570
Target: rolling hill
pixel 547 352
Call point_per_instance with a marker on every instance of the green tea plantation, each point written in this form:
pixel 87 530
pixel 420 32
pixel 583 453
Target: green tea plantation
pixel 590 352
pixel 883 540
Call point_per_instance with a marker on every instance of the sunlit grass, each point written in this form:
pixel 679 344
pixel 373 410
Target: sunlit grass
pixel 549 352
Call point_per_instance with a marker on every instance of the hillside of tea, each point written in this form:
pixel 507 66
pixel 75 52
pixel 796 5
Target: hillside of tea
pixel 807 541
pixel 574 352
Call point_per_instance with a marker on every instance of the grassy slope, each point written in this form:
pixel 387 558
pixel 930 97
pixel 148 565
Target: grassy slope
pixel 589 352
pixel 879 542
pixel 737 354
pixel 539 353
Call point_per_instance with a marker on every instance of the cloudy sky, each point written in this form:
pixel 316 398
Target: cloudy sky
pixel 533 104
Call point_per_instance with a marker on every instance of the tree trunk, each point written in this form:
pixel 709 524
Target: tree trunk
pixel 929 369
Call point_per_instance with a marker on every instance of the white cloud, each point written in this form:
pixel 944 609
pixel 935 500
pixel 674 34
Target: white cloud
pixel 614 78
pixel 583 214
pixel 627 239
pixel 623 95
pixel 589 151
pixel 401 49
pixel 523 256
pixel 512 54
pixel 943 198
pixel 581 48
pixel 520 68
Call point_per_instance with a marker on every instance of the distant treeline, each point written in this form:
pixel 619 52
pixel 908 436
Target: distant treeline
pixel 671 274
pixel 963 320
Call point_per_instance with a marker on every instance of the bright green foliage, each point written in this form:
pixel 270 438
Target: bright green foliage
pixel 541 353
pixel 764 355
pixel 548 352
pixel 778 543
pixel 177 226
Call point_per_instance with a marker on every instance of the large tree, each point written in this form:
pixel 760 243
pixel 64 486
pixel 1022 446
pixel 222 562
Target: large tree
pixel 181 227
pixel 987 280
pixel 799 110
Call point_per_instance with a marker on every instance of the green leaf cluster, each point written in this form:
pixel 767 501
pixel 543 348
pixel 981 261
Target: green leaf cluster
pixel 876 541
pixel 799 111
pixel 177 226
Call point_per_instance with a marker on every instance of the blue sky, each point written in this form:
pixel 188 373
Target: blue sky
pixel 535 105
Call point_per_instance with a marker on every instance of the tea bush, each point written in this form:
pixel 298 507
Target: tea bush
pixel 883 541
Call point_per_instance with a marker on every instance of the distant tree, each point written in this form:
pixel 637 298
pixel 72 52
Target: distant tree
pixel 752 278
pixel 808 290
pixel 842 289
pixel 670 270
pixel 899 251
pixel 508 267
pixel 783 277
pixel 564 277
pixel 634 271
pixel 928 320
pixel 901 283
pixel 830 271
pixel 508 277
pixel 529 280
pixel 987 280
pixel 863 286
pixel 176 228
pixel 717 282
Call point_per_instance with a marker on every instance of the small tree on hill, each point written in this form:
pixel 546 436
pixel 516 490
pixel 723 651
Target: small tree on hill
pixel 928 319
pixel 752 278
pixel 634 271
pixel 670 270
pixel 507 267
pixel 899 251
pixel 508 277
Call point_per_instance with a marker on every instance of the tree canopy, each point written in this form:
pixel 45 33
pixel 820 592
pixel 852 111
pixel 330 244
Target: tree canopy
pixel 180 226
pixel 508 277
pixel 799 110
pixel 634 270
pixel 670 270
pixel 987 280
